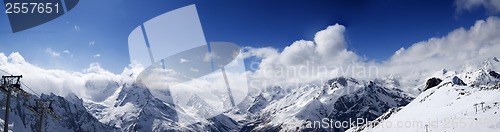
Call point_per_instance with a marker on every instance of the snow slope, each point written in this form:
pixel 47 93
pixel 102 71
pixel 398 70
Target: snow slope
pixel 450 106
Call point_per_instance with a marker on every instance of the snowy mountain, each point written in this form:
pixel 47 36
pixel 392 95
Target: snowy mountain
pixel 338 99
pixel 466 101
pixel 117 103
pixel 73 115
pixel 467 97
pixel 133 108
pixel 129 108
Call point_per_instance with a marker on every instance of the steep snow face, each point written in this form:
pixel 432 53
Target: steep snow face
pixel 259 103
pixel 133 108
pixel 450 107
pixel 72 113
pixel 339 99
pixel 480 78
pixel 100 88
pixel 264 98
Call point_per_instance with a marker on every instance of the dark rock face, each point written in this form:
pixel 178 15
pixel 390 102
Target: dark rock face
pixel 458 81
pixel 368 103
pixel 74 116
pixel 259 103
pixel 432 83
pixel 494 74
pixel 340 80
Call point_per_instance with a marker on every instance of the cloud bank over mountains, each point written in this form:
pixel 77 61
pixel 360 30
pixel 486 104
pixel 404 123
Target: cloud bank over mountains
pixel 65 82
pixel 327 56
pixel 461 46
pixel 303 61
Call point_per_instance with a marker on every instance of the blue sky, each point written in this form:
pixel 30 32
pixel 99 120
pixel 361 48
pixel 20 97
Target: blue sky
pixel 374 28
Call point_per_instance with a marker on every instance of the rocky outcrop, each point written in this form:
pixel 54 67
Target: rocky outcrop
pixel 432 83
pixel 457 81
pixel 494 74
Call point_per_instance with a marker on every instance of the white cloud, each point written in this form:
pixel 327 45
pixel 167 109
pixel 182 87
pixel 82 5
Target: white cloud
pixel 68 53
pixel 58 54
pixel 330 41
pixel 492 6
pixel 182 60
pixel 91 43
pixel 52 52
pixel 259 52
pixel 194 69
pixel 76 28
pixel 461 46
pixel 303 61
pixel 327 57
pixel 209 56
pixel 97 55
pixel 63 82
pixel 306 61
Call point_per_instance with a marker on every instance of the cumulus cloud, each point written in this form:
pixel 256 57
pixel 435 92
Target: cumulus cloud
pixel 330 41
pixel 327 57
pixel 492 6
pixel 93 83
pixel 97 55
pixel 306 61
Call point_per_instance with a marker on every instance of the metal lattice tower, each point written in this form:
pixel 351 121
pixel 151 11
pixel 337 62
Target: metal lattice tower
pixel 43 106
pixel 9 84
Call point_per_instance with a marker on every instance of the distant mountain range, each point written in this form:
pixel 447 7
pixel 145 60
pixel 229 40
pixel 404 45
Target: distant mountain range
pixel 465 100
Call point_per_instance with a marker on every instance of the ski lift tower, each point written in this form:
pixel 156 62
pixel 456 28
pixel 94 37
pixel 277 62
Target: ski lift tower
pixel 43 106
pixel 10 84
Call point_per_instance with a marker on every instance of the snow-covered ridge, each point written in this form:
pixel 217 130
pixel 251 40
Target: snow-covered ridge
pixel 339 99
pixel 133 108
pixel 467 101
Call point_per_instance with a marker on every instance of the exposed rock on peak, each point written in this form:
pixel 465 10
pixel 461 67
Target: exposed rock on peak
pixel 494 74
pixel 457 81
pixel 432 83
